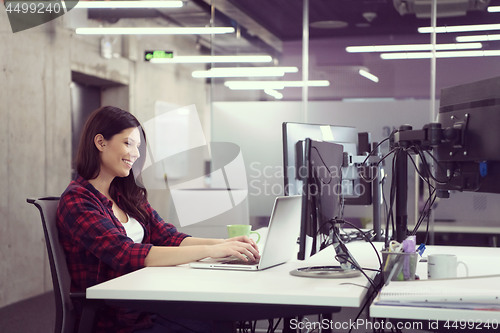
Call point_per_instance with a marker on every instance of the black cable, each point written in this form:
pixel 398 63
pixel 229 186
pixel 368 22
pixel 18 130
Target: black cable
pixel 440 166
pixel 277 324
pixel 424 177
pixel 366 238
pixel 378 145
pixel 352 262
pixel 424 213
pixel 378 163
pixel 386 208
pixel 269 325
pixel 367 301
pixel 427 206
pixel 427 227
pixel 430 200
pixel 392 196
pixel 348 258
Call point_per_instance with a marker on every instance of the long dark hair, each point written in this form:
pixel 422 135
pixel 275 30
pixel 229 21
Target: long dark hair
pixel 108 121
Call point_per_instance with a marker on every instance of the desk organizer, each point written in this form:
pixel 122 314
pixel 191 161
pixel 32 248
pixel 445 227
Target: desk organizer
pixel 399 266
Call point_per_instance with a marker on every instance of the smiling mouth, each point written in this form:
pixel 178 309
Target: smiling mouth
pixel 129 163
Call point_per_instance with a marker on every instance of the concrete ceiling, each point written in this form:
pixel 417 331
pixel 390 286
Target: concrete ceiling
pixel 275 27
pixel 269 23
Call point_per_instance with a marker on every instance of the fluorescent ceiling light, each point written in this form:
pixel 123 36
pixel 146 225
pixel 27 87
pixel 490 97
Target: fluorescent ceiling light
pixel 244 72
pixel 494 9
pixel 445 54
pixel 368 75
pixel 128 4
pixel 412 47
pixel 369 99
pixel 460 28
pixel 154 30
pixel 274 93
pixel 277 85
pixel 478 38
pixel 213 59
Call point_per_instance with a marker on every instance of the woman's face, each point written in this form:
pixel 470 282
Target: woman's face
pixel 119 153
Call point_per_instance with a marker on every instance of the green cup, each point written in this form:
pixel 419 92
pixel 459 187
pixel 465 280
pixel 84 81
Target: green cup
pixel 235 230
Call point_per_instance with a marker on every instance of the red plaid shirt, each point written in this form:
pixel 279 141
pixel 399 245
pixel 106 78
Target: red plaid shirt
pixel 98 249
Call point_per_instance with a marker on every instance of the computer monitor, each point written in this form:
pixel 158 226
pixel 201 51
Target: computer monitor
pixel 465 143
pixel 321 175
pixel 469 158
pixel 355 190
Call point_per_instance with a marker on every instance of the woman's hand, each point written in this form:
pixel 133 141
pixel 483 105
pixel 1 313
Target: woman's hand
pixel 241 247
pixel 244 239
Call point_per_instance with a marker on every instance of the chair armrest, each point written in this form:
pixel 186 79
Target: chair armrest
pixel 78 295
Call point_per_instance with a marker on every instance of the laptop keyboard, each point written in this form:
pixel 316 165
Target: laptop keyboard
pixel 237 261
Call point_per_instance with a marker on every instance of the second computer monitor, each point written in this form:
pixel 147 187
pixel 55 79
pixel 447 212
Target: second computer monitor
pixel 321 196
pixel 355 191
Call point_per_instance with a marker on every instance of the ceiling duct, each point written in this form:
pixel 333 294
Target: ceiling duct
pixel 445 8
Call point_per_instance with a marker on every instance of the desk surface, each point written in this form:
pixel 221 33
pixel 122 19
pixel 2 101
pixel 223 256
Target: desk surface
pixel 272 286
pixel 457 228
pixel 480 261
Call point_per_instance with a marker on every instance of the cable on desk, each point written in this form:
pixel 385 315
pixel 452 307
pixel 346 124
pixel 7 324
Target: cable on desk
pixel 363 234
pixel 354 284
pixel 352 262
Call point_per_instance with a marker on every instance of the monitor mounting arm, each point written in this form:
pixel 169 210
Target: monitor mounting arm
pixel 429 137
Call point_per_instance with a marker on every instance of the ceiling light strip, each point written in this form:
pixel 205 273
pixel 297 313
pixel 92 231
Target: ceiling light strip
pixel 478 38
pixel 445 54
pixel 276 85
pixel 494 9
pixel 154 30
pixel 214 59
pixel 368 75
pixel 460 28
pixel 244 72
pixel 128 4
pixel 274 93
pixel 412 47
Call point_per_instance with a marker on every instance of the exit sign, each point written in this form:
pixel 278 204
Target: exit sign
pixel 148 55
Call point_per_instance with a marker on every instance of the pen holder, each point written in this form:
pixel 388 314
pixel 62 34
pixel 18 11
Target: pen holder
pixel 399 266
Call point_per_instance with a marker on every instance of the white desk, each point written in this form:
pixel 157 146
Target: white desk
pixel 480 261
pixel 240 295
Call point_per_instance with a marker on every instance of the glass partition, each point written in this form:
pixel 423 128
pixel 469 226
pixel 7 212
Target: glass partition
pixel 372 65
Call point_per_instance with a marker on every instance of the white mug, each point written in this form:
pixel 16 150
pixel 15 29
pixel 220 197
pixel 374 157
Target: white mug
pixel 443 266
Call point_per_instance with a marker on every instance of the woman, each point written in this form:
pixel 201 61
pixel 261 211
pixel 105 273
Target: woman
pixel 106 225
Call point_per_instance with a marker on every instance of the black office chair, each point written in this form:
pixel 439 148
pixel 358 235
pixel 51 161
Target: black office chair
pixel 68 305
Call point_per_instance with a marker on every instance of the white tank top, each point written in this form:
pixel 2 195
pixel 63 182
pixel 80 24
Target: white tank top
pixel 134 230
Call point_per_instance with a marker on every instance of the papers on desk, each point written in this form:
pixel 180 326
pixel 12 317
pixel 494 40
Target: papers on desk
pixel 481 293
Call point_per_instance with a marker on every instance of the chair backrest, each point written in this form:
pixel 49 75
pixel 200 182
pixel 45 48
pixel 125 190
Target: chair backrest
pixel 61 280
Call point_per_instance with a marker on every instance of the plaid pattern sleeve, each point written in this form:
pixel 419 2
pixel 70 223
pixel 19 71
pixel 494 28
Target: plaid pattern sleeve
pixel 161 232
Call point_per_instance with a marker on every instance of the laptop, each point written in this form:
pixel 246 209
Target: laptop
pixel 280 243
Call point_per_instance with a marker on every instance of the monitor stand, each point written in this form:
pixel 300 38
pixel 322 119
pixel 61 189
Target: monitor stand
pixel 326 272
pixel 346 269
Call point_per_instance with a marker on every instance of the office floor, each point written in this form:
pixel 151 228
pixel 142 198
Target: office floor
pixel 34 315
